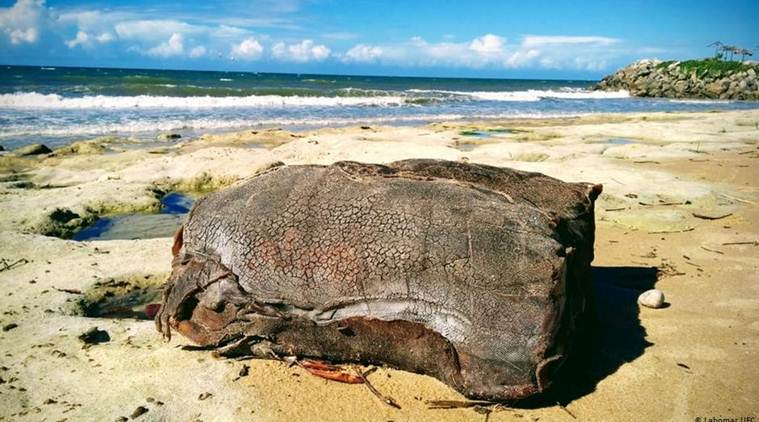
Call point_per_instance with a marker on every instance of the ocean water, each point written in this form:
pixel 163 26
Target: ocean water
pixel 58 105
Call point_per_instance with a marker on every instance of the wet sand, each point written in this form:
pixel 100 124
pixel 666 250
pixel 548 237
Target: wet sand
pixel 679 212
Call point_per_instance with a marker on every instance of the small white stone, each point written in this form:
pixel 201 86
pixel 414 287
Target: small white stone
pixel 653 298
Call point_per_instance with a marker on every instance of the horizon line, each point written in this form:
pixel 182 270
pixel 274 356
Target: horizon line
pixel 298 73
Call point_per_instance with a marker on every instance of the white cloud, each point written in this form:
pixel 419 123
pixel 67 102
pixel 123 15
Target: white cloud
pixel 191 35
pixel 152 37
pixel 155 29
pixel 363 53
pixel 248 49
pixel 439 53
pixel 543 40
pixel 521 57
pixel 260 22
pixel 305 51
pixel 81 38
pixel 28 35
pixel 86 39
pixel 487 45
pixel 93 26
pixel 173 47
pixel 590 53
pixel 129 26
pixel 21 22
pixel 89 19
pixel 226 31
pixel 490 50
pixel 591 64
pixel 104 37
pixel 481 51
pixel 161 38
pixel 198 51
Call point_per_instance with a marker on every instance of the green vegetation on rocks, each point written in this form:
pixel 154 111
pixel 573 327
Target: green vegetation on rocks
pixel 64 223
pixel 81 147
pixel 708 66
pixel 707 78
pixel 199 184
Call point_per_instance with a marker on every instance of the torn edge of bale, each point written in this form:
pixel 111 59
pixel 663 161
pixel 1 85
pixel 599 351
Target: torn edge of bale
pixel 329 372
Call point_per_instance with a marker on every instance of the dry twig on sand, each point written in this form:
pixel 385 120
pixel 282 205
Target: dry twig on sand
pixel 456 404
pixel 734 198
pixel 70 291
pixel 687 229
pixel 562 407
pixel 661 204
pixel 747 242
pixel 479 406
pixel 385 399
pixel 711 217
pixel 712 250
pixel 5 265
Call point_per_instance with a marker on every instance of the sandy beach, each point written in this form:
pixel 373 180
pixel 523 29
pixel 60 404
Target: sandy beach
pixel 679 211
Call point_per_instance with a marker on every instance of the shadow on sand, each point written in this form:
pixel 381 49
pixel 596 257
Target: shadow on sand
pixel 617 337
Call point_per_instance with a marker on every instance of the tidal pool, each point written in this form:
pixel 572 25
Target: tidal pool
pixel 174 208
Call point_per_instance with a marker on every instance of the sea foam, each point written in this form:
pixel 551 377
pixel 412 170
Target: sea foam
pixel 214 124
pixel 409 97
pixel 55 101
pixel 530 94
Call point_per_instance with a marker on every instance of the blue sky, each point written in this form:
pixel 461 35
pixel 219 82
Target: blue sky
pixel 498 38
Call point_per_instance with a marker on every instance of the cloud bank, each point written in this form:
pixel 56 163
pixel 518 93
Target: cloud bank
pixel 21 22
pixel 26 23
pixel 491 50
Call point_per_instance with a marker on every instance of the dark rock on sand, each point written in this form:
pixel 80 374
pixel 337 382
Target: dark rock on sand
pixel 139 411
pixel 33 149
pixel 476 275
pixel 63 223
pixel 94 336
pixel 169 136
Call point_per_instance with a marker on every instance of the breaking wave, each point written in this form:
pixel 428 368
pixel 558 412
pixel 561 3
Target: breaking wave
pixel 531 94
pixel 214 124
pixel 345 97
pixel 54 101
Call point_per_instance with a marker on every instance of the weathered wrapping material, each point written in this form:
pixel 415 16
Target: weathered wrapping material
pixel 476 275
